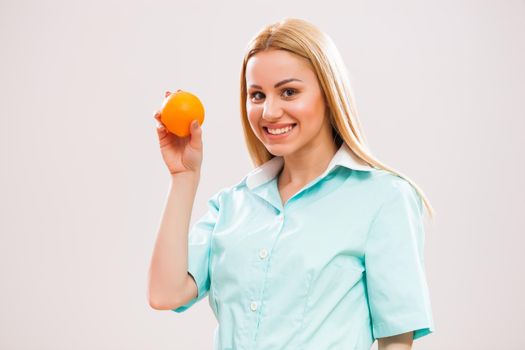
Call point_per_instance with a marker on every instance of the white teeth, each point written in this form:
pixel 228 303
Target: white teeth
pixel 280 131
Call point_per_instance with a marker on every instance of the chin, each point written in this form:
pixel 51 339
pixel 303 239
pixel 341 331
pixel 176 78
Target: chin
pixel 280 150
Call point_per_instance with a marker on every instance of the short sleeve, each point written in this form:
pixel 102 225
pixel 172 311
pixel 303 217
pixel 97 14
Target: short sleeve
pixel 199 246
pixel 397 290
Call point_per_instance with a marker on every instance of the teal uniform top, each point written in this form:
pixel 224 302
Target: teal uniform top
pixel 337 266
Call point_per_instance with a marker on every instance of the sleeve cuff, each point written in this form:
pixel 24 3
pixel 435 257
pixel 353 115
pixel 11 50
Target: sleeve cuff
pixel 200 294
pixel 420 327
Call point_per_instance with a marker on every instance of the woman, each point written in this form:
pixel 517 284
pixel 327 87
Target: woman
pixel 321 245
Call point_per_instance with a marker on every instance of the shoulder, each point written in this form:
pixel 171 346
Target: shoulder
pixel 386 187
pixel 227 193
pixel 382 182
pixel 394 184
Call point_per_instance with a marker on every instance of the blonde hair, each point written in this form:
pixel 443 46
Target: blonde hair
pixel 306 40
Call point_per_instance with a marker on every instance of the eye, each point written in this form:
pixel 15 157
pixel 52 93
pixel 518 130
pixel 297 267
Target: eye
pixel 287 92
pixel 254 94
pixel 292 92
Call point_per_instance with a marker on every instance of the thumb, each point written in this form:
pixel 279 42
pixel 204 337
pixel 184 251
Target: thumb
pixel 196 135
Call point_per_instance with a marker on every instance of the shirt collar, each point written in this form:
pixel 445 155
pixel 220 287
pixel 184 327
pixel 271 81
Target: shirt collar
pixel 267 171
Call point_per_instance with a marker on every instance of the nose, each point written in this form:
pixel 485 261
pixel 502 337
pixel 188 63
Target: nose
pixel 272 110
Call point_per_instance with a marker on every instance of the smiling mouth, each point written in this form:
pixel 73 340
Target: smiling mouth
pixel 269 133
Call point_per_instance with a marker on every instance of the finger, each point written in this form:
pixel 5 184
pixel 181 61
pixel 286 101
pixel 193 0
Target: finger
pixel 159 121
pixel 162 132
pixel 196 135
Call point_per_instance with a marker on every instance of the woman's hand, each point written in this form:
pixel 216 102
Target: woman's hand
pixel 181 154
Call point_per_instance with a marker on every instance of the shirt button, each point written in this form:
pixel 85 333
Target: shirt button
pixel 253 306
pixel 263 253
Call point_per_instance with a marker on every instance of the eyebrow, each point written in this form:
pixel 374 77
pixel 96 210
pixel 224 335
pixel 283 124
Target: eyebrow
pixel 282 82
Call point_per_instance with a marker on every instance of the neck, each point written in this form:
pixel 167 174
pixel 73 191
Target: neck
pixel 305 165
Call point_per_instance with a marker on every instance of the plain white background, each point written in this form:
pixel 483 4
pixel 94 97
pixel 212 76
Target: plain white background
pixel 440 87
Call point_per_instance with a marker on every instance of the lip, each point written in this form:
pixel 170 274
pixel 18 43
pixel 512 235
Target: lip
pixel 279 137
pixel 278 126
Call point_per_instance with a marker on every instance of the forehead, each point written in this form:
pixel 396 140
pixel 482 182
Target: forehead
pixel 272 65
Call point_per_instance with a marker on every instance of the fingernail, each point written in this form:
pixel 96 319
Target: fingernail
pixel 195 124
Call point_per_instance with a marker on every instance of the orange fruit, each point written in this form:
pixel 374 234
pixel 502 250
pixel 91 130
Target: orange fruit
pixel 179 109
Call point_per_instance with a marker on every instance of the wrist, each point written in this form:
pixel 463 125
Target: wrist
pixel 193 176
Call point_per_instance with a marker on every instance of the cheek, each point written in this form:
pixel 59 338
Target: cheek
pixel 300 108
pixel 313 109
pixel 306 110
pixel 253 113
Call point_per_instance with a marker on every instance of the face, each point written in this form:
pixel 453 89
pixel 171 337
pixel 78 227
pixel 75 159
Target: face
pixel 283 91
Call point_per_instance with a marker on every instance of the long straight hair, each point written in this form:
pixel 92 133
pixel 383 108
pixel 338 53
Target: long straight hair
pixel 304 39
